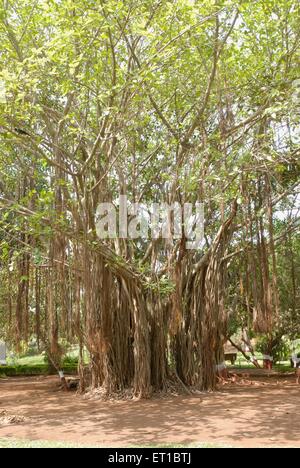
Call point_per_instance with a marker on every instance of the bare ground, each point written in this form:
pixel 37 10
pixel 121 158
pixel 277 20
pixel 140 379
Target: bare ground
pixel 260 412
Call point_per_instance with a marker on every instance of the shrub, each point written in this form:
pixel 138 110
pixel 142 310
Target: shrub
pixel 279 349
pixel 26 370
pixel 70 361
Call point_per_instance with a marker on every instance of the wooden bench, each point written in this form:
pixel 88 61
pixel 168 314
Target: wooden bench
pixel 232 357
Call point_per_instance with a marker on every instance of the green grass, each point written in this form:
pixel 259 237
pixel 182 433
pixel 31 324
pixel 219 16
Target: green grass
pixel 35 365
pixel 31 360
pixel 242 363
pixel 20 443
pixel 32 365
pixel 39 359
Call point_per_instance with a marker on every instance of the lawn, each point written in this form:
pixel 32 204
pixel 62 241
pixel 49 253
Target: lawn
pixel 20 443
pixel 32 365
pixel 23 443
pixel 37 360
pixel 36 365
pixel 241 362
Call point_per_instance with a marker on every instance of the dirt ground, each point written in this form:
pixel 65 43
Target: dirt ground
pixel 260 411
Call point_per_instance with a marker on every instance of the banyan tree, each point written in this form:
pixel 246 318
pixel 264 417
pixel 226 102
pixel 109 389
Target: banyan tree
pixel 164 102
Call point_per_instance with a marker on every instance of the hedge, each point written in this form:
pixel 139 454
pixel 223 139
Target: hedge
pixel 41 369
